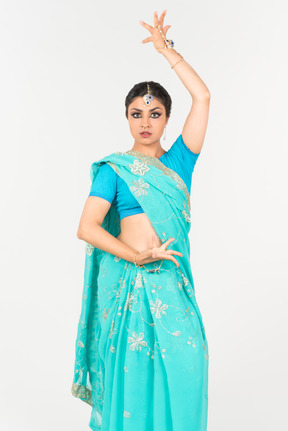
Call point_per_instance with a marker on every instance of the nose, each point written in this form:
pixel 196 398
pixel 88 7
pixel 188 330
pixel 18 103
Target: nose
pixel 145 123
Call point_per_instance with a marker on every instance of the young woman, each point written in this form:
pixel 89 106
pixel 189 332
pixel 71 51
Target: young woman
pixel 141 350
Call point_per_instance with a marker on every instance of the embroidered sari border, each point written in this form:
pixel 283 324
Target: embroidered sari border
pixel 82 392
pixel 165 170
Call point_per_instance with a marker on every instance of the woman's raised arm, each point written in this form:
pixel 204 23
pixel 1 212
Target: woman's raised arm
pixel 195 126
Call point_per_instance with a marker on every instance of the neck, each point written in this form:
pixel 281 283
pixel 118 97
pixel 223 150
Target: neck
pixel 152 150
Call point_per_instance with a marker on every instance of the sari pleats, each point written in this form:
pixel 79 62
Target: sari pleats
pixel 152 345
pixel 141 349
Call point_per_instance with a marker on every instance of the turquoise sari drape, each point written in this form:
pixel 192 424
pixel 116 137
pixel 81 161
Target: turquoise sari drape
pixel 141 350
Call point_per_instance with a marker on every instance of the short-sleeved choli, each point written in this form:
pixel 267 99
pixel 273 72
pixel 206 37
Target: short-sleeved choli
pixel 109 185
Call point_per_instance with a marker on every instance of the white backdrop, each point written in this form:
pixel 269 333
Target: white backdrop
pixel 66 67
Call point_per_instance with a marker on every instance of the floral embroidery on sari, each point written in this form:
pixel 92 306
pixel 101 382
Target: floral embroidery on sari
pixel 130 316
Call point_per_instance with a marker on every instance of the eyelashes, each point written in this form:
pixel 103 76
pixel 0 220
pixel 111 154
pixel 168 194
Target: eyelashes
pixel 154 113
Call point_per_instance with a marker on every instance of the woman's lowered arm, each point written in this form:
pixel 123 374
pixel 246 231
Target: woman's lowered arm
pixel 91 231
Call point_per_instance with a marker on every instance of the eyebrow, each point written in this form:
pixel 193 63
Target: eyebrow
pixel 141 110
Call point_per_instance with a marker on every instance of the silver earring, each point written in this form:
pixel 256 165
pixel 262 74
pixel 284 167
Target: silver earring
pixel 164 137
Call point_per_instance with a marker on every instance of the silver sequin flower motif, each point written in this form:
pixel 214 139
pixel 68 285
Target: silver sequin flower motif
pixel 139 187
pixel 157 308
pixel 186 216
pixel 89 249
pixel 137 341
pixel 139 168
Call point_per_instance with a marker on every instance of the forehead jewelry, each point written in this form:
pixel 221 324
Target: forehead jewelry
pixel 148 97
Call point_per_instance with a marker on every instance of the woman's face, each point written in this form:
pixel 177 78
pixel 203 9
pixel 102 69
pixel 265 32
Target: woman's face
pixel 147 118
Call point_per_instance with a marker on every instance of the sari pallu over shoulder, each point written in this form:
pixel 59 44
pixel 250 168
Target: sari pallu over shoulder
pixel 164 197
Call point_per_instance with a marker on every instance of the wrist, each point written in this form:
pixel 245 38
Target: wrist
pixel 135 258
pixel 172 56
pixel 170 53
pixel 165 49
pixel 139 257
pixel 161 50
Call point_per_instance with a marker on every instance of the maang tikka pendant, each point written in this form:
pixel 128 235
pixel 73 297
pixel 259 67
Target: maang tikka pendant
pixel 148 97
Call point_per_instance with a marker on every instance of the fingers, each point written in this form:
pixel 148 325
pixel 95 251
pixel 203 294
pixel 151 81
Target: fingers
pixel 156 21
pixel 166 28
pixel 159 254
pixel 154 254
pixel 161 19
pixel 168 257
pixel 149 27
pixel 174 252
pixel 176 262
pixel 148 39
pixel 166 243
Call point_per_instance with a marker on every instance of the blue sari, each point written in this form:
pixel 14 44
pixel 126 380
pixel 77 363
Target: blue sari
pixel 141 349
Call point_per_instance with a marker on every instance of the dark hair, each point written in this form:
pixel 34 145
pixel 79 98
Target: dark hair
pixel 156 90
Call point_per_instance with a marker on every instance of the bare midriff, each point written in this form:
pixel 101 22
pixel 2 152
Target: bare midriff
pixel 137 231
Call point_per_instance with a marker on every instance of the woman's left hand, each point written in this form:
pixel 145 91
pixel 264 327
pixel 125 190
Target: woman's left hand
pixel 156 36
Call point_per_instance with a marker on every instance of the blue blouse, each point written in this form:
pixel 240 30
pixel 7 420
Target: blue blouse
pixel 109 185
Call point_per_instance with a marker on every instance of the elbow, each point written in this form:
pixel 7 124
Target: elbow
pixel 80 233
pixel 203 97
pixel 84 231
pixel 206 95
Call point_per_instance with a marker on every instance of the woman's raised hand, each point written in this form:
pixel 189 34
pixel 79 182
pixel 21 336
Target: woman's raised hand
pixel 156 37
pixel 157 253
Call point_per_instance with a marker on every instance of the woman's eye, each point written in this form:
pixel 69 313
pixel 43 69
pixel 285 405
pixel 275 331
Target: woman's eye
pixel 154 113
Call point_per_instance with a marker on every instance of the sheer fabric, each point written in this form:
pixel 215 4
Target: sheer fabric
pixel 141 350
pixel 109 186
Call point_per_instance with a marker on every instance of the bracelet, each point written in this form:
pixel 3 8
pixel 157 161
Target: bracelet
pixel 143 266
pixel 155 269
pixel 178 60
pixel 169 44
pixel 135 263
